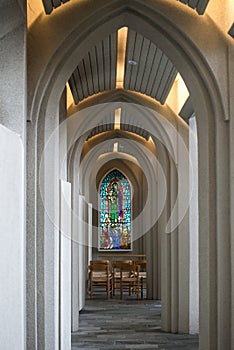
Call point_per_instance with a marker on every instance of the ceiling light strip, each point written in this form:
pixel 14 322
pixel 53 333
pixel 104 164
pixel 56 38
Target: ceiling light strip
pixel 121 54
pixel 117 118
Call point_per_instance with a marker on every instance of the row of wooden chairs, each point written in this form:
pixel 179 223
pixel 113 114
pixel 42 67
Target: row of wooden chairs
pixel 124 274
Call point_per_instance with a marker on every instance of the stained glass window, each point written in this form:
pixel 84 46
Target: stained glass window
pixel 115 212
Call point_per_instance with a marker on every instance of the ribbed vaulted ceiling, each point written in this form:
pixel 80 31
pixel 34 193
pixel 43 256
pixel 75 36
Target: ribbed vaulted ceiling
pixel 97 70
pixel 199 5
pixel 128 123
pixel 153 74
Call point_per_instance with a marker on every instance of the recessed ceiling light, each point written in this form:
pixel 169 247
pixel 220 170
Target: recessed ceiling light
pixel 132 62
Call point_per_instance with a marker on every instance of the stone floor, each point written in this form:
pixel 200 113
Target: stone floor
pixel 127 324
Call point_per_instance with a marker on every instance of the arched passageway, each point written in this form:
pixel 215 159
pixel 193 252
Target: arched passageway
pixel 55 147
pixel 209 112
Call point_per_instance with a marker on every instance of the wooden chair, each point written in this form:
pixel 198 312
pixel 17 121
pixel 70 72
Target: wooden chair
pixel 100 276
pixel 116 272
pixel 142 274
pixel 129 277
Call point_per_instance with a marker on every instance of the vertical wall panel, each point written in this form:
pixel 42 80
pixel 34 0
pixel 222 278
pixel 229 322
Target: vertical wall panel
pixel 65 265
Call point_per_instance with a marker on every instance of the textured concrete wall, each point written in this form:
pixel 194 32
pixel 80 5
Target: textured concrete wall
pixel 12 241
pixel 12 175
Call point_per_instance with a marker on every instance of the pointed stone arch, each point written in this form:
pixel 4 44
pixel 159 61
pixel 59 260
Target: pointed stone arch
pixel 159 22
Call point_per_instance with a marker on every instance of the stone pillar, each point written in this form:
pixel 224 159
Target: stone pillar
pixel 231 157
pixel 207 241
pixel 81 272
pixel 12 175
pixel 165 248
pixel 174 252
pixel 75 260
pixel 12 241
pixel 90 240
pixel 193 230
pixel 223 237
pixel 48 233
pixel 183 228
pixel 65 266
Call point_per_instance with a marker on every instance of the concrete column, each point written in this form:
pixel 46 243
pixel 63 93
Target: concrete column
pixel 231 157
pixel 85 248
pixel 166 282
pixel 207 239
pixel 174 252
pixel 31 248
pixel 154 234
pixel 165 250
pixel 75 260
pixel 193 231
pixel 223 237
pixel 48 233
pixel 65 266
pixel 12 241
pixel 183 229
pixel 90 240
pixel 81 272
pixel 12 175
pixel 63 136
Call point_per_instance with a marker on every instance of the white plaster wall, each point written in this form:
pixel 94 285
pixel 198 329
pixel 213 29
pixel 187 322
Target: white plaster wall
pixel 75 264
pixel 12 241
pixel 90 240
pixel 193 229
pixel 82 266
pixel 65 265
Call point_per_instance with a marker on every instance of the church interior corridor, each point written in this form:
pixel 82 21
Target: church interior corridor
pixel 116 172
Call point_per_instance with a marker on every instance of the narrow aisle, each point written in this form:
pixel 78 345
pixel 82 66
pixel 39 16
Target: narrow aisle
pixel 127 324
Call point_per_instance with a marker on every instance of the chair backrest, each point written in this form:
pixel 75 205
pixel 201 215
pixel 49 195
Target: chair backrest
pixel 99 265
pixel 130 268
pixel 141 263
pixel 117 264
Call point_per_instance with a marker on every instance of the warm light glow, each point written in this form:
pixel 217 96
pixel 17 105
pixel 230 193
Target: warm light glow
pixel 70 99
pixel 115 149
pixel 221 13
pixel 121 54
pixel 150 140
pixel 34 10
pixel 117 118
pixel 120 155
pixel 178 95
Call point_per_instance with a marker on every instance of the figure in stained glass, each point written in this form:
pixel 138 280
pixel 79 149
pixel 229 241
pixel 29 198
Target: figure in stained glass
pixel 115 212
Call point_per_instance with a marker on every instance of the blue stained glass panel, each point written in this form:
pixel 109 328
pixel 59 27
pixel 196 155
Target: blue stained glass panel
pixel 115 212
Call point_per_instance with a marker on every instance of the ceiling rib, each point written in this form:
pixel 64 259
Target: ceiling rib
pixel 50 5
pixel 231 30
pixel 199 5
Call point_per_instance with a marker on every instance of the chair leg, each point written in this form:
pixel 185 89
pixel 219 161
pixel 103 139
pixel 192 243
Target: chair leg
pixel 114 286
pixel 108 289
pixel 138 289
pixel 141 288
pixel 91 290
